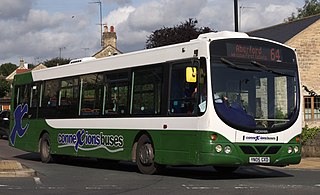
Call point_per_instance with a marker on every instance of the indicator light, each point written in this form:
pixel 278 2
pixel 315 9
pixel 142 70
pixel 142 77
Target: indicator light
pixel 214 137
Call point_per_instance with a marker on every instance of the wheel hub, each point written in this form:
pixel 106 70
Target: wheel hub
pixel 146 154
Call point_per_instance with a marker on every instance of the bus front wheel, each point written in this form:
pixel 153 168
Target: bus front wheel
pixel 46 157
pixel 145 155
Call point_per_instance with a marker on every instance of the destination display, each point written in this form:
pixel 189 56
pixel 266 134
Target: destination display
pixel 254 52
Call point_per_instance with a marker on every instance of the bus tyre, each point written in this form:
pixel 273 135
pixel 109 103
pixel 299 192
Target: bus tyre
pixel 46 157
pixel 145 156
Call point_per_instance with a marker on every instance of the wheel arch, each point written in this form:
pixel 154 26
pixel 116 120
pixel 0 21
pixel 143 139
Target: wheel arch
pixel 40 136
pixel 135 143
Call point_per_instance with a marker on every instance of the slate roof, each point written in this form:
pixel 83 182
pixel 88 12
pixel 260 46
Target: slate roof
pixel 285 31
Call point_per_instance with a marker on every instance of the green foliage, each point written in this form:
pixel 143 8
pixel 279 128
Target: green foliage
pixel 309 133
pixel 177 34
pixel 4 87
pixel 280 114
pixel 56 62
pixel 7 68
pixel 310 8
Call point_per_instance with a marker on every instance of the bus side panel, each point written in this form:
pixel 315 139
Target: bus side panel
pixel 29 141
pixel 98 143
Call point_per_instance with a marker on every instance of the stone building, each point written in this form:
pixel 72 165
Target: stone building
pixel 109 48
pixel 304 36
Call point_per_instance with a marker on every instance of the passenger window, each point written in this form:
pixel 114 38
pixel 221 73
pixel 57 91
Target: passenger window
pixel 147 91
pixel 91 94
pixel 183 90
pixel 116 94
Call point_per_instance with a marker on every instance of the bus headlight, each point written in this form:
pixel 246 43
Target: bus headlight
pixel 290 150
pixel 218 148
pixel 296 149
pixel 227 149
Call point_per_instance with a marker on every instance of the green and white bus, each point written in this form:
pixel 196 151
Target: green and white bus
pixel 224 99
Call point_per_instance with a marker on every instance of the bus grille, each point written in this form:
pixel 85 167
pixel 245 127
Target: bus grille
pixel 260 149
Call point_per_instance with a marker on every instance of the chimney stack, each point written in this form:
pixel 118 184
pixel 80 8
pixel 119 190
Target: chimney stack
pixel 109 38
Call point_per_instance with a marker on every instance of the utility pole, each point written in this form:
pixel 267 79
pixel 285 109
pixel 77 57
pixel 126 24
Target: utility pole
pixel 236 28
pixel 85 51
pixel 100 19
pixel 60 49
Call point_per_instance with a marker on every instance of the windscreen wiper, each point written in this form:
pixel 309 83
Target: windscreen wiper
pixel 263 67
pixel 234 66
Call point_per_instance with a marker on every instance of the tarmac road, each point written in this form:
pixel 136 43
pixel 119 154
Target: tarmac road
pixel 14 168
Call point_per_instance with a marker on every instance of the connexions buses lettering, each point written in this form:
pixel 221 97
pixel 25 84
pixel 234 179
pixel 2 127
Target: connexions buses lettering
pixel 260 138
pixel 82 138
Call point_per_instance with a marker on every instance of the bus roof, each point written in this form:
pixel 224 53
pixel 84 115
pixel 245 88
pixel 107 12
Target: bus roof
pixel 137 58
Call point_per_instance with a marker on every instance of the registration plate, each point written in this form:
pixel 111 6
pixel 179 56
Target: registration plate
pixel 259 160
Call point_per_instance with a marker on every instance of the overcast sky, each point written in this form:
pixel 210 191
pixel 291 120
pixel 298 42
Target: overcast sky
pixel 37 30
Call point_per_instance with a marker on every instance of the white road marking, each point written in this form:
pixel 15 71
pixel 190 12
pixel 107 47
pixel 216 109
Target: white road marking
pixel 192 187
pixel 37 180
pixel 102 187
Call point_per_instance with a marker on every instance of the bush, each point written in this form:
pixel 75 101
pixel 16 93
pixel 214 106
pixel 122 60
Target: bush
pixel 309 133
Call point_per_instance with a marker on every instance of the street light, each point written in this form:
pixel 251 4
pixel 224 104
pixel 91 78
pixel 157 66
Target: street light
pixel 240 12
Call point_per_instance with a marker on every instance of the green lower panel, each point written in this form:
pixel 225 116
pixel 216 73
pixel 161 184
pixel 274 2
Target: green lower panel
pixel 171 147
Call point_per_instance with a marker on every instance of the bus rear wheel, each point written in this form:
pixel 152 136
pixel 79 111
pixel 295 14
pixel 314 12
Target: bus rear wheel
pixel 145 156
pixel 46 157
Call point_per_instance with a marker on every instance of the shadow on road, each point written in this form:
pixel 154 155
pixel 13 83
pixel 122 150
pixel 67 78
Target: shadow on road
pixel 202 173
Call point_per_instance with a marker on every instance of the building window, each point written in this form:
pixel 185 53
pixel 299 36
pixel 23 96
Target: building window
pixel 312 107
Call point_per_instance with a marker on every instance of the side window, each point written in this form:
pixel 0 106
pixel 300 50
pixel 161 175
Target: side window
pixel 51 89
pixel 91 94
pixel 34 95
pixel 23 94
pixel 68 98
pixel 116 94
pixel 48 103
pixel 202 92
pixel 34 99
pixel 147 91
pixel 183 91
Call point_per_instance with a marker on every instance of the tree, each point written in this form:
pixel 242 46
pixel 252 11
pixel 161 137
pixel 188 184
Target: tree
pixel 310 8
pixel 56 62
pixel 177 34
pixel 7 68
pixel 4 87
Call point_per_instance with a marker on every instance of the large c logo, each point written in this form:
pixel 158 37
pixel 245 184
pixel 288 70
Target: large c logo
pixel 18 114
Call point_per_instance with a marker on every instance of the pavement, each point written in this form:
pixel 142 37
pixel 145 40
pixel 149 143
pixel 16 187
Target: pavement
pixel 13 168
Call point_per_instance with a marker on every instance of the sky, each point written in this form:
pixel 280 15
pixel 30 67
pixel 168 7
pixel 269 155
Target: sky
pixel 39 30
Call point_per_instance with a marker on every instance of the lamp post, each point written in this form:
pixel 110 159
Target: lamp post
pixel 240 13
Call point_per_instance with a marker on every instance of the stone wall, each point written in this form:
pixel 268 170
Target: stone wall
pixel 307 44
pixel 312 147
